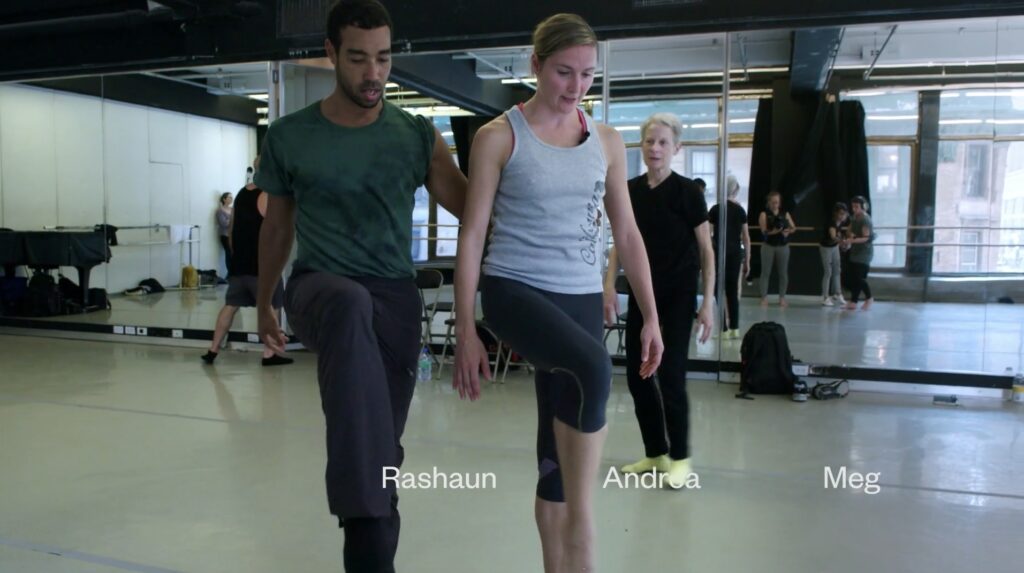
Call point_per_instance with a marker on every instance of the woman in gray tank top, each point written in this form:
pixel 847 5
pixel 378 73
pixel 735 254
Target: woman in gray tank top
pixel 547 173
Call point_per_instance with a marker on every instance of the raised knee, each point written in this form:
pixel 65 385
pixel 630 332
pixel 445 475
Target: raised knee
pixel 349 303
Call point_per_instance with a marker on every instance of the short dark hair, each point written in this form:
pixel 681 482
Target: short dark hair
pixel 840 206
pixel 701 183
pixel 860 200
pixel 365 14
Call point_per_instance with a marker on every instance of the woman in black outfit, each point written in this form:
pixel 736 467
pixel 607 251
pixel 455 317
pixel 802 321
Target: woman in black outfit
pixel 737 254
pixel 672 216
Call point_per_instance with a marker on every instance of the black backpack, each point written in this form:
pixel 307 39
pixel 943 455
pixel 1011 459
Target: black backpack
pixel 766 363
pixel 43 297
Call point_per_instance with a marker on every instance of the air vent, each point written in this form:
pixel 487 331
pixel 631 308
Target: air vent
pixel 302 18
pixel 662 3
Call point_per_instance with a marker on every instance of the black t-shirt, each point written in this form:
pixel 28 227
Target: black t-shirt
pixel 245 234
pixel 667 216
pixel 841 227
pixel 735 218
pixel 775 222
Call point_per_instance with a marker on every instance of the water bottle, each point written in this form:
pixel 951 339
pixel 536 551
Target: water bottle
pixel 1018 387
pixel 426 366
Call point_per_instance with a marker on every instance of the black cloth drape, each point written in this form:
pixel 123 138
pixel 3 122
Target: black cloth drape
pixel 760 162
pixel 853 142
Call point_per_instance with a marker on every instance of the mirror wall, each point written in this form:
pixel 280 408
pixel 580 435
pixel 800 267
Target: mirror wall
pixel 924 122
pixel 923 119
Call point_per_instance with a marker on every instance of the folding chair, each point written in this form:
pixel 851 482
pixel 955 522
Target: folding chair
pixel 428 279
pixel 619 328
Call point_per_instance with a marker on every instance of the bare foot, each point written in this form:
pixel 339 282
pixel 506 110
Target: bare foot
pixel 782 302
pixel 850 306
pixel 867 304
pixel 764 303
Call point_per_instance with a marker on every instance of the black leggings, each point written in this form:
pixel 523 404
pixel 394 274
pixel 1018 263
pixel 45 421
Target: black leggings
pixel 561 336
pixel 662 406
pixel 733 263
pixel 224 242
pixel 858 281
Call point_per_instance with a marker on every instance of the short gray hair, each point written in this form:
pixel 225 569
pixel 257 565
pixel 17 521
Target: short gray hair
pixel 669 120
pixel 732 186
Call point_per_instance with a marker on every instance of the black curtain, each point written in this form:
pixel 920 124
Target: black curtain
pixel 760 162
pixel 829 166
pixel 853 142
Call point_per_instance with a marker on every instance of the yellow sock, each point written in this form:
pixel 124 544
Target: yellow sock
pixel 678 472
pixel 660 463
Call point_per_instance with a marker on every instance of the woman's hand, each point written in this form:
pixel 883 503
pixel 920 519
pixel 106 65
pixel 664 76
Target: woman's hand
pixel 651 349
pixel 470 359
pixel 611 306
pixel 706 321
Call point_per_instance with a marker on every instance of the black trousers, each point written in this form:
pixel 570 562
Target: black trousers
pixel 366 333
pixel 661 404
pixel 733 265
pixel 858 281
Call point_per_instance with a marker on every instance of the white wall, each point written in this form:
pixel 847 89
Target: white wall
pixel 77 161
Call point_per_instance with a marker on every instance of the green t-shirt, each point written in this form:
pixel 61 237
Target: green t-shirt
pixel 353 188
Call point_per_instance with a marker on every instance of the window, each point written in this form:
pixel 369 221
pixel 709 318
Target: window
pixel 738 165
pixel 969 255
pixel 976 170
pixel 420 229
pixel 742 116
pixel 888 114
pixel 702 163
pixel 889 169
pixel 447 229
pixel 982 112
pixel 698 116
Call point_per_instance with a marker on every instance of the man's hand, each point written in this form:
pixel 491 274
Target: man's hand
pixel 270 330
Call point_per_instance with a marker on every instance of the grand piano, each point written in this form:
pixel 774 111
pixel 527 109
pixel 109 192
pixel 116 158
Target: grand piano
pixel 44 250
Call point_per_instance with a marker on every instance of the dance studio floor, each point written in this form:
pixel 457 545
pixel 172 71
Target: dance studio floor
pixel 944 337
pixel 119 457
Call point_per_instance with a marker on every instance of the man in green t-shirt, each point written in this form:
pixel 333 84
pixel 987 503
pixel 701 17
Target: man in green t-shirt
pixel 341 175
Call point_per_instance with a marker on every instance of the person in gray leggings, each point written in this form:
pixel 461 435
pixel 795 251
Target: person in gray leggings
pixel 835 232
pixel 776 226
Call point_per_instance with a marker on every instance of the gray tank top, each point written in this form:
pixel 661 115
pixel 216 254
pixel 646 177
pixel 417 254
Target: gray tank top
pixel 548 218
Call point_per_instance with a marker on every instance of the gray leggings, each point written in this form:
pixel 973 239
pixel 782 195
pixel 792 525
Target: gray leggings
pixel 769 256
pixel 830 280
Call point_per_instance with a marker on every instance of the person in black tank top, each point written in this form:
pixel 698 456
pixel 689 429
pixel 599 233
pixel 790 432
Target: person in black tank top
pixel 776 227
pixel 244 238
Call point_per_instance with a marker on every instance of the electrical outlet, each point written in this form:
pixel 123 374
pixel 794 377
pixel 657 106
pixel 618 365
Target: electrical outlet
pixel 118 330
pixel 254 338
pixel 142 331
pixel 176 333
pixel 130 330
pixel 802 369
